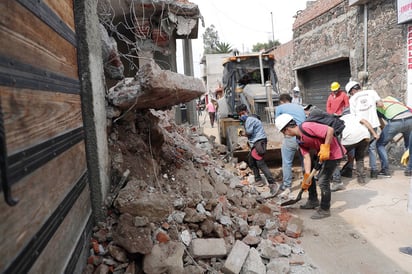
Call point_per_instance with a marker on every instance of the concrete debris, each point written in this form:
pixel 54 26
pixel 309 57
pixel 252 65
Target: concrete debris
pixel 208 248
pixel 185 209
pixel 236 258
pixel 164 258
pixel 154 88
pixel 253 263
pixel 113 66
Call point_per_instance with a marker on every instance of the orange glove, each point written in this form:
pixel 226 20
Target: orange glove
pixel 324 152
pixel 305 183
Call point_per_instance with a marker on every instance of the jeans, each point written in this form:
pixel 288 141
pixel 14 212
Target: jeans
pixel 372 153
pixel 392 128
pixel 409 166
pixel 325 177
pixel 288 150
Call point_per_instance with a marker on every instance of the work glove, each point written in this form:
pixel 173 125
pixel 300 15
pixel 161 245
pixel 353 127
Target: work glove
pixel 240 132
pixel 306 183
pixel 324 152
pixel 405 158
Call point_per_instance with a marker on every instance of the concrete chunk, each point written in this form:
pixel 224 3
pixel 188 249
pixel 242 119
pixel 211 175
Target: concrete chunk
pixel 253 263
pixel 236 258
pixel 294 228
pixel 208 248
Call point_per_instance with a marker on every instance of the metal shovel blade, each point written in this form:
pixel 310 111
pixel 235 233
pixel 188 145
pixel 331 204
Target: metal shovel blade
pixel 297 199
pixel 294 201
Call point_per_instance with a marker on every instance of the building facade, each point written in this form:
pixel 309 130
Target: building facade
pixel 339 40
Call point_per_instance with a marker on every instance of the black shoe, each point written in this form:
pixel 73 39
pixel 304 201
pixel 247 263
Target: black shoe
pixel 346 172
pixel 361 180
pixel 274 188
pixel 408 172
pixel 310 204
pixel 385 173
pixel 406 250
pixel 320 214
pixel 337 186
pixel 374 174
pixel 259 182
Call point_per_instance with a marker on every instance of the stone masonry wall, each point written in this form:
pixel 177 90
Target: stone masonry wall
pixel 386 50
pixel 337 32
pixel 284 67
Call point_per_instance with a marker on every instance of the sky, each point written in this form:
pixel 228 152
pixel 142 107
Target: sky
pixel 245 23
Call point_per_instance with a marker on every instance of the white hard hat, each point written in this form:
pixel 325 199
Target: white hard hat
pixel 282 120
pixel 296 89
pixel 350 85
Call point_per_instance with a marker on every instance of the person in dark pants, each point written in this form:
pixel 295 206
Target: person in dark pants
pixel 257 140
pixel 356 137
pixel 319 138
pixel 211 109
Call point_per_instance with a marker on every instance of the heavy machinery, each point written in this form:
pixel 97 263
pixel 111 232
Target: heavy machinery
pixel 251 80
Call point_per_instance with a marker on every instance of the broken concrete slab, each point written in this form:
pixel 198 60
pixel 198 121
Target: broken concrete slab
pixel 154 88
pixel 236 258
pixel 164 258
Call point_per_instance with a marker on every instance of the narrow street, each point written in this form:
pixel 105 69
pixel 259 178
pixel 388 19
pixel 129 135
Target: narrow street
pixel 368 225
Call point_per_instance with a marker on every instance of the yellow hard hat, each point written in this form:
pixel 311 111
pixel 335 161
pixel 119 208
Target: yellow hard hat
pixel 334 86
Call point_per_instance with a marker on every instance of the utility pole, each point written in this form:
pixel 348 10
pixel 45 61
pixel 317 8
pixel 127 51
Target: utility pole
pixel 273 32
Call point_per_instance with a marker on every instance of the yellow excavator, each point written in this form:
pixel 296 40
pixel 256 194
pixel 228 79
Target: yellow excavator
pixel 251 80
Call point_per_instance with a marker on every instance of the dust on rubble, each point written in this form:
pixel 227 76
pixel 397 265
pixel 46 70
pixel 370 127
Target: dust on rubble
pixel 174 192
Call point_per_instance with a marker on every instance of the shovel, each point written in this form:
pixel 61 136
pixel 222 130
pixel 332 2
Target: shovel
pixel 309 179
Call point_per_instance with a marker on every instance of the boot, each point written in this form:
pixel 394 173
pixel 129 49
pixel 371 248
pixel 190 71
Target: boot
pixel 361 173
pixel 374 174
pixel 320 214
pixel 361 180
pixel 346 172
pixel 310 204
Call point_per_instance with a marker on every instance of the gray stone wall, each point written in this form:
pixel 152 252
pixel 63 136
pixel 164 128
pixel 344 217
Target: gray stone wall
pixel 323 39
pixel 339 33
pixel 386 50
pixel 284 67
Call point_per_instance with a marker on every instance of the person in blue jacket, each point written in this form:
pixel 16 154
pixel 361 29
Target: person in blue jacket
pixel 257 141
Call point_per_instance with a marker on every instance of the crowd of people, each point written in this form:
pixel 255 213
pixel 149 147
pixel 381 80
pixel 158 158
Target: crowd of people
pixel 370 124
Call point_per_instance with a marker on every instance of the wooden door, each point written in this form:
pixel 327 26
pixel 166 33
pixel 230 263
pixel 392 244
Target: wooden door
pixel 43 139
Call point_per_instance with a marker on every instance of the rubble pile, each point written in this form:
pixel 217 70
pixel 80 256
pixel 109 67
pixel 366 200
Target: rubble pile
pixel 181 205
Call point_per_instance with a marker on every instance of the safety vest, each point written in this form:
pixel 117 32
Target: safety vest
pixel 391 107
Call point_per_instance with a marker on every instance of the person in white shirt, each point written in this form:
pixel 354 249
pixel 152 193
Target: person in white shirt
pixel 296 98
pixel 357 135
pixel 363 105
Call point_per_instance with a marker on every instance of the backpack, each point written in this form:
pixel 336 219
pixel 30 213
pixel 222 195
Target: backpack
pixel 322 117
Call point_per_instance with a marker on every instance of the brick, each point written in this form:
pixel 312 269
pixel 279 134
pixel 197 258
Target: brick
pixel 208 248
pixel 294 227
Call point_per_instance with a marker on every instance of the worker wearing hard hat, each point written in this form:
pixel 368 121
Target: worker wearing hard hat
pixel 313 136
pixel 337 101
pixel 398 117
pixel 363 105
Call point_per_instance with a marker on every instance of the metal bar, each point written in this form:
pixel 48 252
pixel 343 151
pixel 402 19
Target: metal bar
pixel 28 160
pixel 49 17
pixel 28 256
pixel 4 166
pixel 14 73
pixel 82 244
